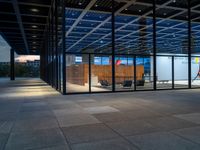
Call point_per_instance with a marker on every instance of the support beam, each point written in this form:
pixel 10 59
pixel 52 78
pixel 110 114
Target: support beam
pixel 12 64
pixel 19 19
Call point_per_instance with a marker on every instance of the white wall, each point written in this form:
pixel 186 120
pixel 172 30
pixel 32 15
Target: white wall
pixel 164 68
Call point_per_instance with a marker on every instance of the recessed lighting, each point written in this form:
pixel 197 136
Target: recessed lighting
pixel 34 47
pixel 174 1
pixel 34 10
pixel 140 10
pixel 96 5
pixel 34 26
pixel 164 14
pixel 80 3
pixel 126 9
pixel 34 36
pixel 34 42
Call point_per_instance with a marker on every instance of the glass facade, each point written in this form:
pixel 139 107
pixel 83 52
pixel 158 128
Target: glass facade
pixel 111 45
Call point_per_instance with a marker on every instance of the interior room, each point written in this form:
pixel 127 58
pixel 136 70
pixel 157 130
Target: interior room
pixel 137 38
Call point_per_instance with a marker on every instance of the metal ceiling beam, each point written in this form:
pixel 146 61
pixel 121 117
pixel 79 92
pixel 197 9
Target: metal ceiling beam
pixel 84 12
pixel 19 19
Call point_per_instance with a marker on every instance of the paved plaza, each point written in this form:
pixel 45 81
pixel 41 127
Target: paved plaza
pixel 33 116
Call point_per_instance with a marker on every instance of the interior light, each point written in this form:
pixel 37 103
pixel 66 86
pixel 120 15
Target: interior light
pixel 80 3
pixel 96 5
pixel 140 10
pixel 34 26
pixel 34 42
pixel 126 9
pixel 34 36
pixel 174 1
pixel 165 14
pixel 34 10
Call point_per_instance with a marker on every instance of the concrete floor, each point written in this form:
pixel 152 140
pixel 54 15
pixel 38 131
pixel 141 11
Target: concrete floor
pixel 35 117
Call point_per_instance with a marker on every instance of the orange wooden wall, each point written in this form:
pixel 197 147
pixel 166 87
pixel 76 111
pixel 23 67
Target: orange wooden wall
pixel 79 74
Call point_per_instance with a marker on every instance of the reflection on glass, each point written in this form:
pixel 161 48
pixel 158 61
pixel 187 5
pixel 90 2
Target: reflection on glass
pixel 195 71
pixel 144 73
pixel 181 72
pixel 164 72
pixel 124 73
pixel 77 73
pixel 101 73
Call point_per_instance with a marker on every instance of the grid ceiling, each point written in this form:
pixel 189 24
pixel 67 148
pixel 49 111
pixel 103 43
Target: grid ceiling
pixel 88 26
pixel 22 23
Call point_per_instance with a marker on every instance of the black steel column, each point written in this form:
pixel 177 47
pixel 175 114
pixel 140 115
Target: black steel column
pixel 63 48
pixel 113 46
pixel 135 74
pixel 90 90
pixel 154 46
pixel 189 45
pixel 56 43
pixel 172 72
pixel 12 64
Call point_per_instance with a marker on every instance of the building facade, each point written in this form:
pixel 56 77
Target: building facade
pixel 119 45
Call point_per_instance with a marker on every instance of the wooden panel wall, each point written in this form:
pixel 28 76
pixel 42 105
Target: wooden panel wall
pixel 79 74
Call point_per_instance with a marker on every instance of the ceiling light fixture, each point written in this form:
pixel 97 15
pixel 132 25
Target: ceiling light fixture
pixel 34 10
pixel 80 3
pixel 34 26
pixel 34 36
pixel 140 10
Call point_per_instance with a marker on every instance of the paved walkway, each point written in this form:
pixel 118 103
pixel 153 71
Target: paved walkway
pixel 35 117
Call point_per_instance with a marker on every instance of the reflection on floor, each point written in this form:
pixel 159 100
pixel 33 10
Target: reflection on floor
pixel 35 117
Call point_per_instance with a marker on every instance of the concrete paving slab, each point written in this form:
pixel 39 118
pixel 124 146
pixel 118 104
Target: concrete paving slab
pixel 162 141
pixel 192 134
pixel 192 117
pixel 35 140
pixel 76 120
pixel 114 144
pixel 88 133
pixel 100 109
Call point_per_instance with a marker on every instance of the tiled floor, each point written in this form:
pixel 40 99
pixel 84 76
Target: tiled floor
pixel 33 116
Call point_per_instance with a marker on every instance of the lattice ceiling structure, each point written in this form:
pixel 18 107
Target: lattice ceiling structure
pixel 89 27
pixel 22 23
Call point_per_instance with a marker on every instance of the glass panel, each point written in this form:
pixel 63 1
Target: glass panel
pixel 89 28
pixel 172 28
pixel 195 71
pixel 77 73
pixel 144 72
pixel 124 73
pixel 195 43
pixel 101 73
pixel 181 72
pixel 134 28
pixel 164 72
